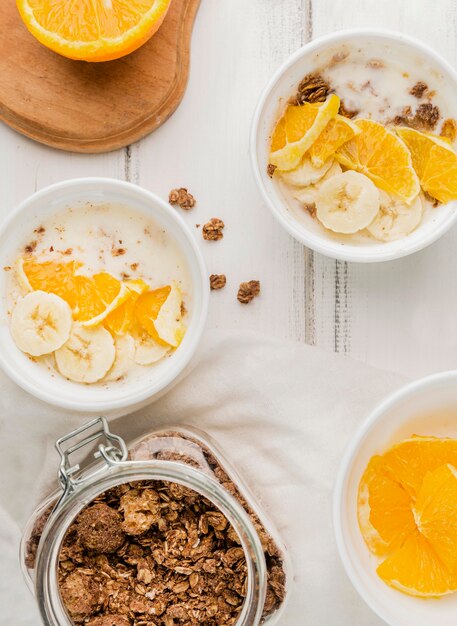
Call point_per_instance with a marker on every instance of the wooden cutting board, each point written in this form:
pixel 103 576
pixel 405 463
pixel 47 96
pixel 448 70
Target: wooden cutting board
pixel 93 107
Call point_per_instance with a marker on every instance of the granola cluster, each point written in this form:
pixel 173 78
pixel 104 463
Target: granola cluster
pixel 152 553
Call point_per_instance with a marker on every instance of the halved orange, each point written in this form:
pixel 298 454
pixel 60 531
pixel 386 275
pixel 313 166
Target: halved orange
pixel 93 30
pixel 417 570
pixel 97 297
pixel 50 276
pixel 435 513
pixel 337 132
pixel 435 162
pixel 382 156
pixel 298 129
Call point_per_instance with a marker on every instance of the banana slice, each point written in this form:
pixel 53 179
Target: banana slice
pixel 88 354
pixel 395 219
pixel 168 323
pixel 149 351
pixel 306 174
pixel 40 323
pixel 347 203
pixel 124 346
pixel 307 195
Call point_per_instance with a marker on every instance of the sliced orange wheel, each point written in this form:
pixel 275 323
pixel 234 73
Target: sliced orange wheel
pixel 435 162
pixel 382 156
pixel 93 30
pixel 298 129
pixel 337 132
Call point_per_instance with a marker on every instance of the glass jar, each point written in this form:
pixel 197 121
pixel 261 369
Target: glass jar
pixel 183 456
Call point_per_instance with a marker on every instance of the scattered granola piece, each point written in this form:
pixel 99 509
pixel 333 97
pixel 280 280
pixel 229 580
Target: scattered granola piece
pixel 248 291
pixel 212 230
pixel 40 230
pixel 271 169
pixel 118 251
pixel 425 118
pixel 217 281
pixel 345 112
pixel 7 268
pixel 375 64
pixel 31 247
pixel 181 197
pixel 419 89
pixel 310 208
pixel 313 88
pixel 449 129
pixel 99 529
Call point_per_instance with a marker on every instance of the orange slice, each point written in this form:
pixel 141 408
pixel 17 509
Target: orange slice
pixel 434 161
pixel 50 276
pixel 390 485
pixel 382 156
pixel 97 297
pixel 120 320
pixel 407 512
pixel 298 129
pixel 337 132
pixel 436 513
pixel 93 30
pixel 147 309
pixel 416 569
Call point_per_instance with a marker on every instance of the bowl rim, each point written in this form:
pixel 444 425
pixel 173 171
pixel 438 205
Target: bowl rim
pixel 135 399
pixel 316 243
pixel 339 491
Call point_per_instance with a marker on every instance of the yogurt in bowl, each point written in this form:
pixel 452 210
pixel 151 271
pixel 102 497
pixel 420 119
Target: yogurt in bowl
pixel 358 102
pixel 104 295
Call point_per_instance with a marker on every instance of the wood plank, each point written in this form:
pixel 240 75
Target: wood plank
pixel 204 147
pixel 93 107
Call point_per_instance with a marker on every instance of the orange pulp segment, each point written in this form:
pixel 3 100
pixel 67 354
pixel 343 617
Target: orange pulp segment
pixel 120 321
pixel 382 156
pixel 97 296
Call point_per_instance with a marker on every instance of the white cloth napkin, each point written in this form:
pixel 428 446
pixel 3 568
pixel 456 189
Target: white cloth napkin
pixel 283 412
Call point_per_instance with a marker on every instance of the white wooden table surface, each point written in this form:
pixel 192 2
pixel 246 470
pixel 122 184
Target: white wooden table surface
pixel 400 315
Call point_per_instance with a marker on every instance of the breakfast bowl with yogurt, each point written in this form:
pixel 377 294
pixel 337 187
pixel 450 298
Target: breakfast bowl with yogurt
pixel 103 295
pixel 354 145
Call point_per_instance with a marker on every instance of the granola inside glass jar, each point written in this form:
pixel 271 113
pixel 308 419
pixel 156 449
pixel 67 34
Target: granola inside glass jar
pixel 162 533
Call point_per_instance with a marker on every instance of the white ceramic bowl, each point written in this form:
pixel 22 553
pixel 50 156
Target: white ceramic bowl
pixel 94 398
pixel 425 407
pixel 284 83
